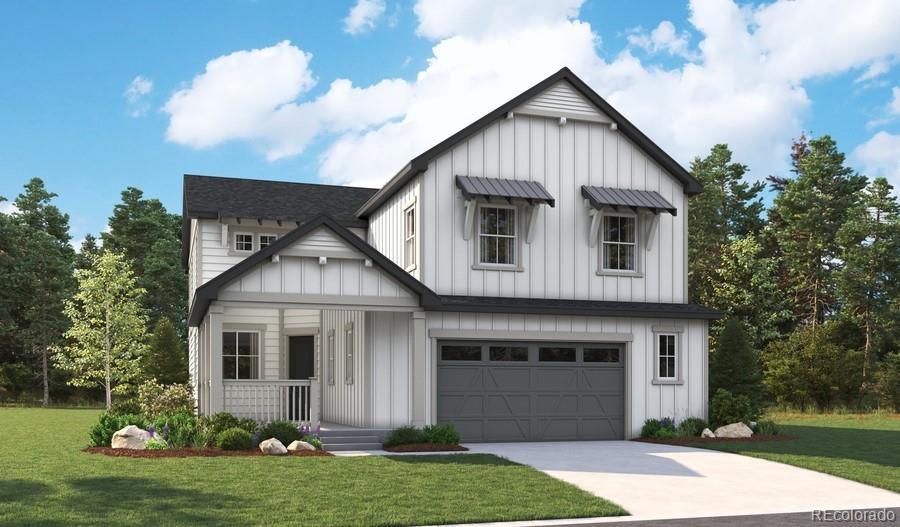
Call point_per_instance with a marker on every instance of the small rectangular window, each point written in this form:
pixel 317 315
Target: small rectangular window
pixel 554 354
pixel 497 236
pixel 409 237
pixel 461 353
pixel 330 356
pixel 601 354
pixel 243 242
pixel 508 353
pixel 348 349
pixel 240 355
pixel 266 240
pixel 619 243
pixel 666 355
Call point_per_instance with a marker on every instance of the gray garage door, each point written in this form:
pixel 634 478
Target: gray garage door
pixel 531 391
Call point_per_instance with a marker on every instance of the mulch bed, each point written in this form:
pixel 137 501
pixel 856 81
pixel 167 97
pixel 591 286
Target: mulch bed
pixel 689 440
pixel 191 452
pixel 426 447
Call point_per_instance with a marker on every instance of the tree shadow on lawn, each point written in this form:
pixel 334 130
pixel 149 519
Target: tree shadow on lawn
pixel 23 491
pixel 103 497
pixel 453 459
pixel 879 447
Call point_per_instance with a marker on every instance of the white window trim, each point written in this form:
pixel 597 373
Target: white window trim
pixel 411 266
pixel 517 266
pixel 259 238
pixel 234 245
pixel 259 351
pixel 638 271
pixel 673 332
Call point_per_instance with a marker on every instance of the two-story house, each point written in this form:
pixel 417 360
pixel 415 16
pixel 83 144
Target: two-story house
pixel 524 279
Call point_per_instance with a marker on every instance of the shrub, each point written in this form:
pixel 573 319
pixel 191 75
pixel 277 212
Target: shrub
pixel 126 406
pixel 157 399
pixel 765 427
pixel 650 428
pixel 234 439
pixel 248 424
pixel 726 408
pixel 180 429
pixel 284 431
pixel 404 435
pixel 155 443
pixel 691 427
pixel 314 441
pixel 666 433
pixel 109 423
pixel 443 434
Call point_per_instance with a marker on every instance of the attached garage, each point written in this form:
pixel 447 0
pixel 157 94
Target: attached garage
pixel 532 391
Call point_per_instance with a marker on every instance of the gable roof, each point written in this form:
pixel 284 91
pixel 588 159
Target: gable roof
pixel 420 163
pixel 210 290
pixel 214 197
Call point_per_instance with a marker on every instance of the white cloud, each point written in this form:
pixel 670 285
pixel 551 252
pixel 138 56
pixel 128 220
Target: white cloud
pixel 874 70
pixel 363 16
pixel 663 38
pixel 8 207
pixel 135 94
pixel 742 84
pixel 894 105
pixel 880 156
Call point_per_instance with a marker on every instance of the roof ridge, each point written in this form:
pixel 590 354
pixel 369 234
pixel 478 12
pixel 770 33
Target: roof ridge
pixel 231 178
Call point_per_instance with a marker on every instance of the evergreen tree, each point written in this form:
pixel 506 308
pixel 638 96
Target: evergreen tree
pixel 727 208
pixel 88 250
pixel 735 366
pixel 810 211
pixel 166 358
pixel 869 282
pixel 109 327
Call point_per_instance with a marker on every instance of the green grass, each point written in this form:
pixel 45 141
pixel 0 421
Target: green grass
pixel 861 447
pixel 45 479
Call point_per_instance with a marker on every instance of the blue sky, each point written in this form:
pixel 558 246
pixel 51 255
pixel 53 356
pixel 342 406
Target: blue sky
pixel 67 65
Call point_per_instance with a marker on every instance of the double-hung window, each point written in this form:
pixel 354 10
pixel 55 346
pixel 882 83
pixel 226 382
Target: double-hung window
pixel 619 243
pixel 266 240
pixel 409 237
pixel 240 355
pixel 666 357
pixel 243 242
pixel 497 236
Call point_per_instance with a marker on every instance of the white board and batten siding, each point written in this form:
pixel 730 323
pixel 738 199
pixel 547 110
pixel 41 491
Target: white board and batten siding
pixel 644 399
pixel 347 400
pixel 559 263
pixel 386 225
pixel 390 342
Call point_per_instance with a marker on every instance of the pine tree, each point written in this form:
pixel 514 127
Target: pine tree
pixel 735 366
pixel 88 250
pixel 166 357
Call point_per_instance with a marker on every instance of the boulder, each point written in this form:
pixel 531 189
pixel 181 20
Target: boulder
pixel 272 447
pixel 734 430
pixel 300 445
pixel 130 437
pixel 707 433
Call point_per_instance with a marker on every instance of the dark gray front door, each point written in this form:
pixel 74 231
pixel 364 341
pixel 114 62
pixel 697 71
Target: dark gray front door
pixel 532 391
pixel 301 357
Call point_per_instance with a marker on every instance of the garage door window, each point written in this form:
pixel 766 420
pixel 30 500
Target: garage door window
pixel 508 353
pixel 556 354
pixel 601 355
pixel 460 352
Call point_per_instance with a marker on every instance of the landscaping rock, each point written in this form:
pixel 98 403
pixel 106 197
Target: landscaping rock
pixel 300 445
pixel 707 433
pixel 130 437
pixel 272 447
pixel 734 430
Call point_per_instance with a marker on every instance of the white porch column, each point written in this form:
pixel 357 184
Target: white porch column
pixel 315 400
pixel 216 386
pixel 420 399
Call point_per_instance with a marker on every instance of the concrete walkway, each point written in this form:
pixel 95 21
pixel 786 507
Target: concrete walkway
pixel 660 481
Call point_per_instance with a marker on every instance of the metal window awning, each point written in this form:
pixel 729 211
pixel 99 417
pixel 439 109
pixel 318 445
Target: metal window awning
pixel 509 189
pixel 600 197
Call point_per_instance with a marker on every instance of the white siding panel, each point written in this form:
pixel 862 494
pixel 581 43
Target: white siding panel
pixel 561 98
pixel 391 369
pixel 342 402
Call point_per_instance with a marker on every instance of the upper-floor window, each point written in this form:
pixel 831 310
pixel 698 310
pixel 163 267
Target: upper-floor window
pixel 240 355
pixel 243 242
pixel 497 237
pixel 266 240
pixel 409 237
pixel 619 247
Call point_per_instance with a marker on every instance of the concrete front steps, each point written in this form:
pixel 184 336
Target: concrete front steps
pixel 352 439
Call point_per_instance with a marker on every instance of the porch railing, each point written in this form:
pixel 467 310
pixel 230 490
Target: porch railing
pixel 272 400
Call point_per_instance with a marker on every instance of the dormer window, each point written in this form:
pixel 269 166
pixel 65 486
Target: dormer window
pixel 243 242
pixel 266 240
pixel 497 236
pixel 619 243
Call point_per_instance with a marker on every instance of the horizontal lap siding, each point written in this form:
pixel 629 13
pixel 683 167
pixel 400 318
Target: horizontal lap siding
pixel 646 399
pixel 559 263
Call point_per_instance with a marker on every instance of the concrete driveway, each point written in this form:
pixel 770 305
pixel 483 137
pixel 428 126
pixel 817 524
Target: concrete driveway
pixel 661 481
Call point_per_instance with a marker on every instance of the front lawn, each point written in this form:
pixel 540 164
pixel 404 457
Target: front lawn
pixel 861 447
pixel 46 479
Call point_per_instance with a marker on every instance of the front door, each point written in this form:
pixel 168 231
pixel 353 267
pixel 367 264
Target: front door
pixel 301 365
pixel 301 357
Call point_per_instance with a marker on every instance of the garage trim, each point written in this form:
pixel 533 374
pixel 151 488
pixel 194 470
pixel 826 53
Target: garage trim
pixel 464 334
